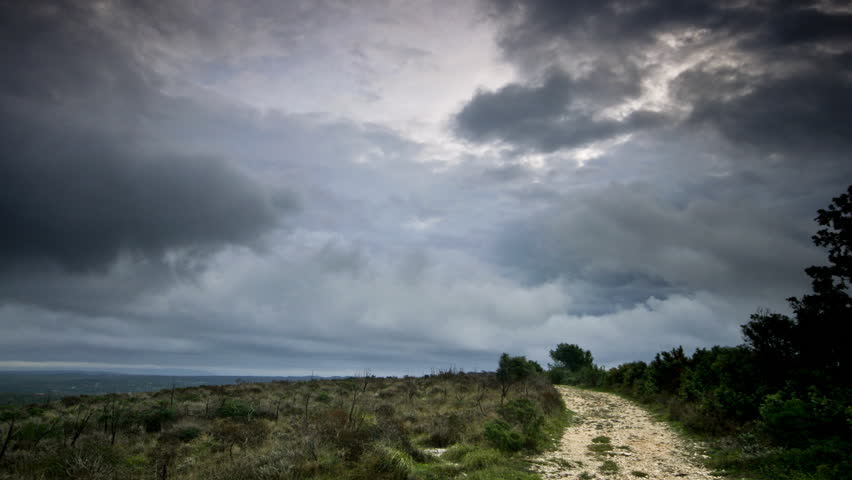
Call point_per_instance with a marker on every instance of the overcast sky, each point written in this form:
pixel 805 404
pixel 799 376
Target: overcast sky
pixel 268 187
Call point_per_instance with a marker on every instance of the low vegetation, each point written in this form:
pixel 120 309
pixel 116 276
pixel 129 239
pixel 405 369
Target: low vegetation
pixel 449 425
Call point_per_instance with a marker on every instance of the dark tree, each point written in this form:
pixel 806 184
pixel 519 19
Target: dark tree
pixel 571 357
pixel 823 317
pixel 512 370
pixel 772 336
pixel 667 370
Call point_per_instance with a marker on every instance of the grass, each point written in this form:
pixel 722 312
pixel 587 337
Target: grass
pixel 348 429
pixel 600 445
pixel 609 467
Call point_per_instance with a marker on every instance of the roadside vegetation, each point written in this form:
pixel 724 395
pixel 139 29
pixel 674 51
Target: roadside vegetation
pixel 443 426
pixel 777 407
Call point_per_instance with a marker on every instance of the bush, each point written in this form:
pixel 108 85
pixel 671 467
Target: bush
pixel 153 420
pixel 446 430
pixel 480 459
pixel 524 414
pixel 794 421
pixel 235 409
pixel 501 436
pixel 457 452
pixel 386 462
pixel 187 434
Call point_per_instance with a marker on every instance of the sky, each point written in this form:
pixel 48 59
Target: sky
pixel 279 188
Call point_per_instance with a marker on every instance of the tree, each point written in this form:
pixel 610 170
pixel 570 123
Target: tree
pixel 824 315
pixel 771 335
pixel 512 370
pixel 666 371
pixel 571 357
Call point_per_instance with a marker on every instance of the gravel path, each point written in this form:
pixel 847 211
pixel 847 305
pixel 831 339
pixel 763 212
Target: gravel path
pixel 612 438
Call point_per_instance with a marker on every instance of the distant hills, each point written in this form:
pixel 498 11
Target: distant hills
pixel 38 386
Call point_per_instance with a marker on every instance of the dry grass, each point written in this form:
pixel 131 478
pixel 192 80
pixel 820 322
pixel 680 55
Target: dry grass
pixel 347 428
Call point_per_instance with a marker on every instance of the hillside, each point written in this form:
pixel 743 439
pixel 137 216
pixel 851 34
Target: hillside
pixel 338 428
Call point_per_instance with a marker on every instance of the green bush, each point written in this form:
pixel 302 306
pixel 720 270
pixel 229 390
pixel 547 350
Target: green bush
pixel 457 452
pixel 187 434
pixel 524 414
pixel 154 419
pixel 792 420
pixel 235 409
pixel 483 458
pixel 501 436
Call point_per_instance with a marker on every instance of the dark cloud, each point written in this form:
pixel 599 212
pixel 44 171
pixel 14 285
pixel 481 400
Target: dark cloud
pixel 80 204
pixel 145 207
pixel 560 112
pixel 626 243
pixel 807 115
pixel 534 25
pixel 84 179
pixel 776 75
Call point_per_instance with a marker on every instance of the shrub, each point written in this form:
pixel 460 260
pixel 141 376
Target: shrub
pixel 457 452
pixel 154 419
pixel 501 436
pixel 386 462
pixel 551 401
pixel 446 430
pixel 608 466
pixel 235 409
pixel 524 414
pixel 483 458
pixel 187 434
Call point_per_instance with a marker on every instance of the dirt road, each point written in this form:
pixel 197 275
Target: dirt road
pixel 612 438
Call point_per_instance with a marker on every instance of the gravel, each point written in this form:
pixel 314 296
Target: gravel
pixel 641 446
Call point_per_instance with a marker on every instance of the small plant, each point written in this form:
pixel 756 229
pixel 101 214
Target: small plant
pixel 188 434
pixel 457 452
pixel 324 397
pixel 480 459
pixel 640 474
pixel 387 462
pixel 600 445
pixel 609 467
pixel 586 476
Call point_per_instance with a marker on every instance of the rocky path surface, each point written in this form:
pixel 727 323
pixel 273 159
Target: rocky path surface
pixel 612 438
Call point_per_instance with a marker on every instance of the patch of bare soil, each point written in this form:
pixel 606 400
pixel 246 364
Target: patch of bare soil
pixel 612 438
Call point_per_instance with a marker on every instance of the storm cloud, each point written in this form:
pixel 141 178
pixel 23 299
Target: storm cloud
pixel 560 112
pixel 268 187
pixel 84 180
pixel 771 75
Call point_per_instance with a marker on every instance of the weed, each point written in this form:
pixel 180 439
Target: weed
pixel 480 459
pixel 600 448
pixel 609 467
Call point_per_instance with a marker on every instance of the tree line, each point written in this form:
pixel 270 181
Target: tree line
pixel 782 400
